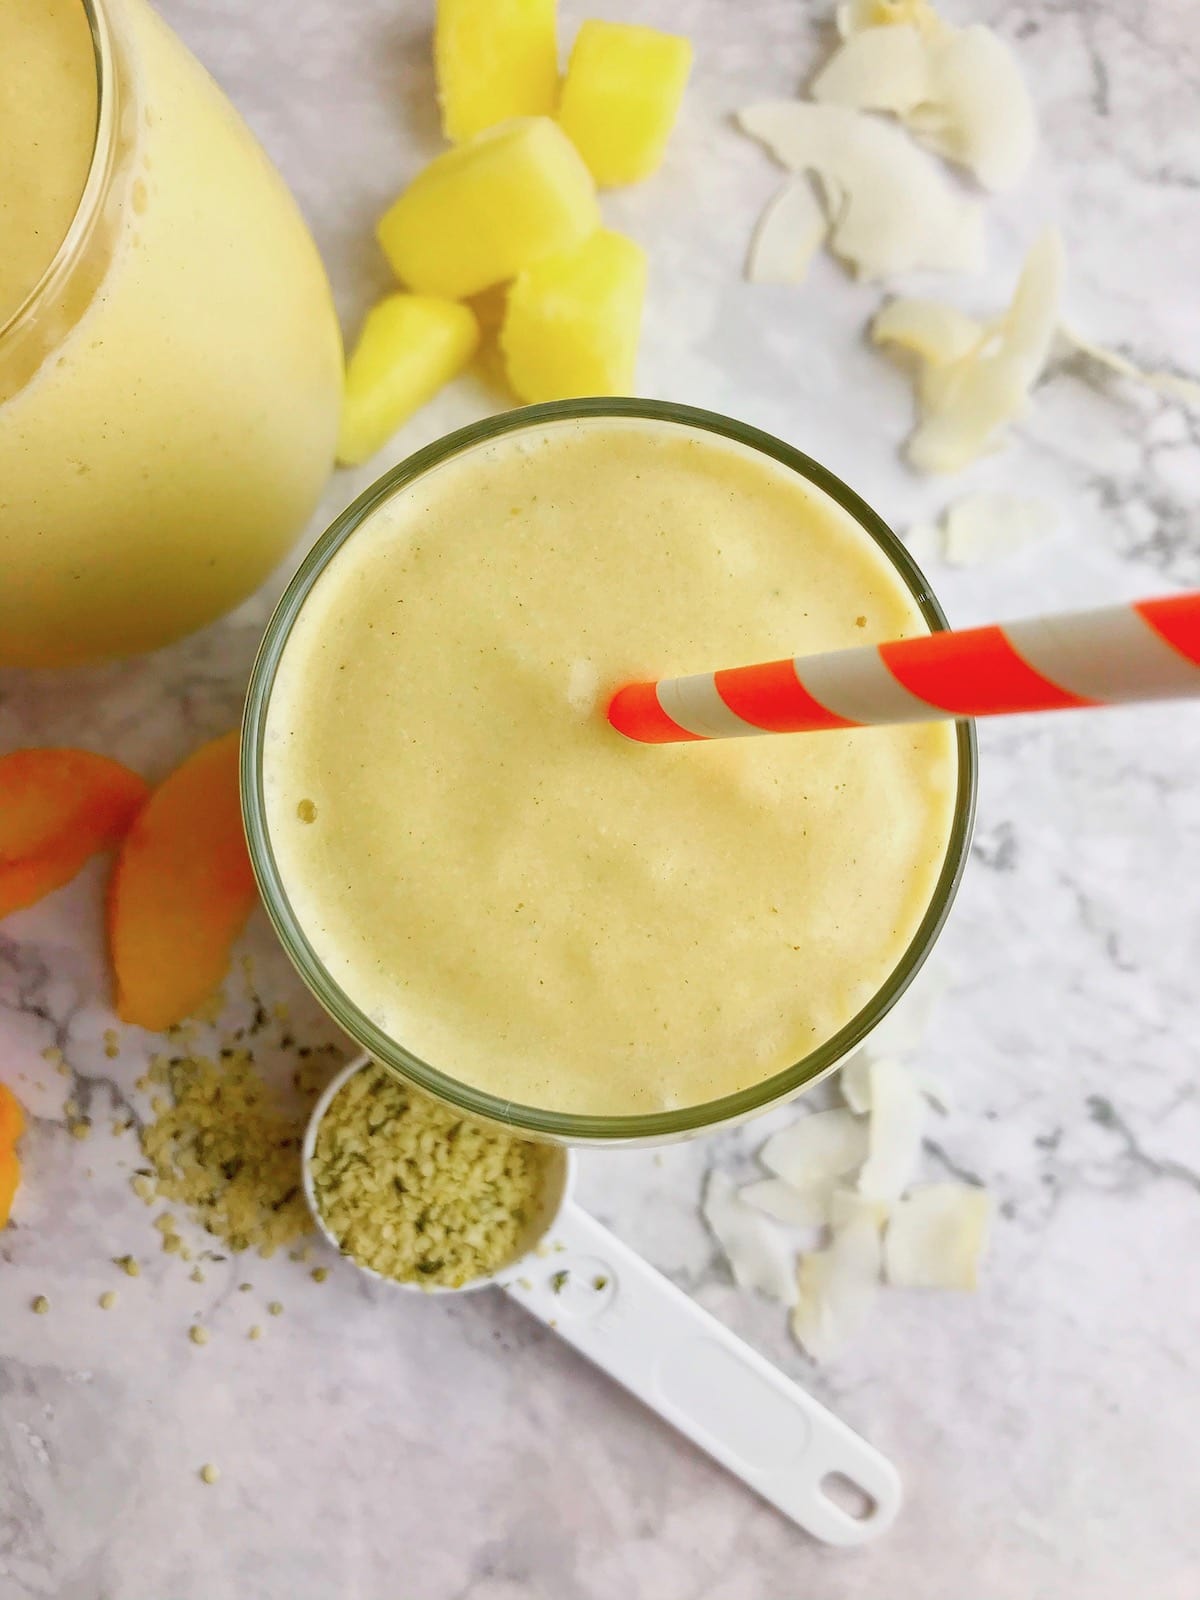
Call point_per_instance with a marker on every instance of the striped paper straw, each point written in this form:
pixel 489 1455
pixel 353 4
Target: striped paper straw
pixel 1149 650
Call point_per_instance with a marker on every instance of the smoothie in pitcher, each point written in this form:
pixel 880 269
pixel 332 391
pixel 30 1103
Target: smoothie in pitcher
pixel 521 897
pixel 170 362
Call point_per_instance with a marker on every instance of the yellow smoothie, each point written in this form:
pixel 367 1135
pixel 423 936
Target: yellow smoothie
pixel 47 131
pixel 169 396
pixel 527 901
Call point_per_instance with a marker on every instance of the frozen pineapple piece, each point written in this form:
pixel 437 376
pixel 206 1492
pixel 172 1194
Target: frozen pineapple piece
pixel 621 96
pixel 494 59
pixel 410 345
pixel 481 212
pixel 571 324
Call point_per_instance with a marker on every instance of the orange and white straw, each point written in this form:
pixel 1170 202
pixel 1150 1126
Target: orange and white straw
pixel 1149 650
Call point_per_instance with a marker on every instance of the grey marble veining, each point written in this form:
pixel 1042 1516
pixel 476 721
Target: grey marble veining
pixel 370 1448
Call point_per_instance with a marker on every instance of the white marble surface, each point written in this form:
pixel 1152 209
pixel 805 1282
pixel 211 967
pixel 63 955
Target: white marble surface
pixel 372 1447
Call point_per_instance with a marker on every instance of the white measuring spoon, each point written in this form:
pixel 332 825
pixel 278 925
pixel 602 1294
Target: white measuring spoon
pixel 616 1309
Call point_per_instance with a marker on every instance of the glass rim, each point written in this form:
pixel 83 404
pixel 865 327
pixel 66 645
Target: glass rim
pixel 563 1126
pixel 95 184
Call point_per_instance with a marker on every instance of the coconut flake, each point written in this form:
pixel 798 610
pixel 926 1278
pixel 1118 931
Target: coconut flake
pixel 937 1236
pixel 789 233
pixel 848 1205
pixel 937 334
pixel 923 542
pixel 897 1120
pixel 907 1023
pixel 967 402
pixel 854 1081
pixel 759 1257
pixel 978 111
pixel 982 526
pixel 1185 389
pixel 959 90
pixel 877 69
pixel 837 1286
pixel 817 1149
pixel 796 1208
pixel 891 211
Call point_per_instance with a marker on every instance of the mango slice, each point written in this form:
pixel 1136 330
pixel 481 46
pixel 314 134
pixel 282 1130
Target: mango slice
pixel 181 890
pixel 10 1180
pixel 58 808
pixel 12 1119
pixel 481 212
pixel 494 59
pixel 410 345
pixel 620 98
pixel 572 321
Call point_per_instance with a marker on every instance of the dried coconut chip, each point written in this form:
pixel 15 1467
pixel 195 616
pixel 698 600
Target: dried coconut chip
pixel 936 333
pixel 854 1081
pixel 816 1150
pixel 795 1208
pixel 959 90
pixel 982 526
pixel 891 210
pixel 894 1131
pixel 758 1256
pixel 837 1286
pixel 966 402
pixel 790 231
pixel 937 1236
pixel 1185 389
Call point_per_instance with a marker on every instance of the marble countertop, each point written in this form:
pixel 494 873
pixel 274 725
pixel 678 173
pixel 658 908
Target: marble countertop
pixel 374 1447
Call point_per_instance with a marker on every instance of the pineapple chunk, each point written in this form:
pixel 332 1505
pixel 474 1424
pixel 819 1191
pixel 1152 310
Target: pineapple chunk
pixel 481 212
pixel 410 345
pixel 571 324
pixel 621 96
pixel 494 59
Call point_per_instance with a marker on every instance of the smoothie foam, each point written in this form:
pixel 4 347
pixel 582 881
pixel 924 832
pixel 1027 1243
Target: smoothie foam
pixel 514 892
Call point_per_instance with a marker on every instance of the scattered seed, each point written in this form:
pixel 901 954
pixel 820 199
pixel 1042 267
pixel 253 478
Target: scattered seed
pixel 81 1130
pixel 112 1043
pixel 275 1308
pixel 108 1299
pixel 225 1148
pixel 319 1274
pixel 40 1304
pixel 196 1275
pixel 128 1266
pixel 209 1473
pixel 197 1334
pixel 245 1288
pixel 70 1108
pixel 255 1332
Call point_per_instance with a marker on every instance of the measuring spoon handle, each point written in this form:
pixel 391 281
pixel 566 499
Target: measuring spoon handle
pixel 616 1309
